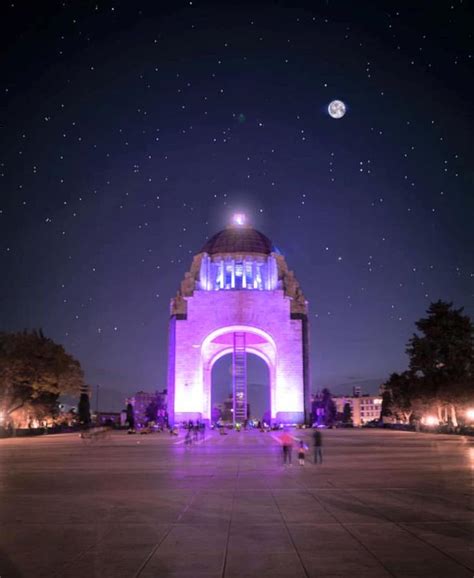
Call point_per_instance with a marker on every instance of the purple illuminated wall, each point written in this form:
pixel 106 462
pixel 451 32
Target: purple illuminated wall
pixel 204 334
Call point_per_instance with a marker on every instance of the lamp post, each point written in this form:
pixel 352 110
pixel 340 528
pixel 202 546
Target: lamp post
pixel 97 404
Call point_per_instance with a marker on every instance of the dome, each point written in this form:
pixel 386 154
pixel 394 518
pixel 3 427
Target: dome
pixel 238 240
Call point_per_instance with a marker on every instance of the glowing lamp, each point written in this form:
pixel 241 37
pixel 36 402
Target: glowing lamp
pixel 239 219
pixel 431 420
pixel 470 414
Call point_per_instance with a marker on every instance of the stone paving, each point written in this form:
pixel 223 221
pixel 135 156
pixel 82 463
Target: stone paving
pixel 383 504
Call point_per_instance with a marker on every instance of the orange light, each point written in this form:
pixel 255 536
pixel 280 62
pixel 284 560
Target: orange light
pixel 470 414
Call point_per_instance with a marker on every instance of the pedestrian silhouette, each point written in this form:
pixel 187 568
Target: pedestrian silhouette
pixel 318 442
pixel 287 445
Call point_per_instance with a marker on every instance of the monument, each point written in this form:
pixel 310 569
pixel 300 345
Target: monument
pixel 239 297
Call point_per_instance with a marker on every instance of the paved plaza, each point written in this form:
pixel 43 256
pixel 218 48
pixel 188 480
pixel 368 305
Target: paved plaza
pixel 383 504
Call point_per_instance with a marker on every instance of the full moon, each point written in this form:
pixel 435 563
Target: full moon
pixel 337 109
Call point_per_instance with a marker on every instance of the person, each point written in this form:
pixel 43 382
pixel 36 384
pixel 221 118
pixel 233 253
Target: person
pixel 318 442
pixel 188 440
pixel 287 445
pixel 301 452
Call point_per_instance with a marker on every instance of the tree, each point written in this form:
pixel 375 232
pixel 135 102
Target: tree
pixel 401 396
pixel 84 409
pixel 347 413
pixel 443 357
pixel 329 408
pixel 386 409
pixel 34 371
pixel 151 411
pixel 445 350
pixel 130 416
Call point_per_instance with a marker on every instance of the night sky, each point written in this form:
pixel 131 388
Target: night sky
pixel 131 131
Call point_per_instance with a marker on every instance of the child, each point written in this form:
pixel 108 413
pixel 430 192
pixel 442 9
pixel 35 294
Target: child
pixel 301 451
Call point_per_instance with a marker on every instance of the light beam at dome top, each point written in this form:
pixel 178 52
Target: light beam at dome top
pixel 239 219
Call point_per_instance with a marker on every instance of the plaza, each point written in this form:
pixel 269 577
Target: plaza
pixel 383 504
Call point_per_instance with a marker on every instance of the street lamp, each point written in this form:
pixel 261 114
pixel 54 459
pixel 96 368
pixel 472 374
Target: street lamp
pixel 470 414
pixel 431 420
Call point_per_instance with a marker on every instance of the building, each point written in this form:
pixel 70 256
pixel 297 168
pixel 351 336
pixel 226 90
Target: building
pixel 357 391
pixel 239 297
pixel 109 418
pixel 225 411
pixel 364 408
pixel 142 400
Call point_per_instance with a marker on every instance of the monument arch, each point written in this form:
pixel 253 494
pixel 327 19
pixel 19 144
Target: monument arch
pixel 239 297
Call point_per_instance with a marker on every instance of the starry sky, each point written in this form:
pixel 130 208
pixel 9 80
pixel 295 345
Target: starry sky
pixel 131 131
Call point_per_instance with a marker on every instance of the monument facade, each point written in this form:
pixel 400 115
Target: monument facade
pixel 239 297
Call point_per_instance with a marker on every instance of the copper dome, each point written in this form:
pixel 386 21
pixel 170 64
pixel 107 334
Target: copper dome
pixel 238 240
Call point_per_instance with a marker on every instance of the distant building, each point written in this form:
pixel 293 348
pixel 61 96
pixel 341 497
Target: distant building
pixel 142 400
pixel 226 410
pixel 365 407
pixel 109 418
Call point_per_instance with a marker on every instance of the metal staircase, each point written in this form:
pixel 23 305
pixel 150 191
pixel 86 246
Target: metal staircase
pixel 239 367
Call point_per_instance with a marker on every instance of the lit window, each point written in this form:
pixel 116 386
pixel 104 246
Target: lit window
pixel 228 276
pixel 248 275
pixel 257 283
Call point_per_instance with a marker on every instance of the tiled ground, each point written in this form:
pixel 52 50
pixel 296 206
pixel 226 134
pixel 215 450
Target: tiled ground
pixel 383 504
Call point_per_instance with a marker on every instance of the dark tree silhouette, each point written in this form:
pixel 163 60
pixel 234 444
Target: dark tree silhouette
pixel 442 357
pixel 84 409
pixel 445 350
pixel 441 367
pixel 151 411
pixel 386 409
pixel 402 393
pixel 329 407
pixel 347 413
pixel 130 416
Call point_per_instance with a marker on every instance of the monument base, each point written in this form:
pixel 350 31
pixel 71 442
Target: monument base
pixel 187 416
pixel 290 417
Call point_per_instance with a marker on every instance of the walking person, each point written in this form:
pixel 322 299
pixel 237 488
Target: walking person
pixel 318 442
pixel 287 445
pixel 188 440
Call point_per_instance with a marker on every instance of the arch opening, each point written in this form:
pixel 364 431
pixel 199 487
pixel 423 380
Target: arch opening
pixel 258 389
pixel 223 341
